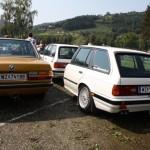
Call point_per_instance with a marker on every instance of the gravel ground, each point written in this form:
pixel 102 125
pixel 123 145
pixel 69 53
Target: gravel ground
pixel 57 124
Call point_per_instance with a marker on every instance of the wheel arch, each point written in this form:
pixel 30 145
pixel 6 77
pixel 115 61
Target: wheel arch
pixel 83 84
pixel 92 107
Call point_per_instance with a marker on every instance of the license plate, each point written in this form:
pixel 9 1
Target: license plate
pixel 144 89
pixel 13 77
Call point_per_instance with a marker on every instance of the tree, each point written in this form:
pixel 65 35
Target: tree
pixel 18 13
pixel 8 16
pixel 23 16
pixel 81 22
pixel 146 24
pixel 128 40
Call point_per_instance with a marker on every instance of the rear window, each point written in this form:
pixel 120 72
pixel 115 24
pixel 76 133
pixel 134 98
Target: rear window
pixel 133 65
pixel 66 52
pixel 10 47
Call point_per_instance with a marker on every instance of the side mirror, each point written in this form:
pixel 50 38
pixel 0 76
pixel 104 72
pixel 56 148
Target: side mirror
pixel 53 54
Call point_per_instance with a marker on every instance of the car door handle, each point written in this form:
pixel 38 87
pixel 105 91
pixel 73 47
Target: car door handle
pixel 80 72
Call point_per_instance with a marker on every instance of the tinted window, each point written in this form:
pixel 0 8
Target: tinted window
pixel 133 65
pixel 81 57
pixel 101 61
pixel 66 52
pixel 9 47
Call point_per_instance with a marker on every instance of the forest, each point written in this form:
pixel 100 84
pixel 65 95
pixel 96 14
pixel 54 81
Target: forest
pixel 119 30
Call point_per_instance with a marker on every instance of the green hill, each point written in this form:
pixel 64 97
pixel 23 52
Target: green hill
pixel 109 29
pixel 119 23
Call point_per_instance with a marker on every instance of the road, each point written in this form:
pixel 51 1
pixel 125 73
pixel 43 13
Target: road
pixel 56 123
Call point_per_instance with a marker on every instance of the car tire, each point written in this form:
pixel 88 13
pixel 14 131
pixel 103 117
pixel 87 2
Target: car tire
pixel 85 100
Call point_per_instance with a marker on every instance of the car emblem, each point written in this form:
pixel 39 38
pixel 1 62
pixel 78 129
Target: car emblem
pixel 11 67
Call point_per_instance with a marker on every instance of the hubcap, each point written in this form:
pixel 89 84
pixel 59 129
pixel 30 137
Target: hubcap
pixel 84 98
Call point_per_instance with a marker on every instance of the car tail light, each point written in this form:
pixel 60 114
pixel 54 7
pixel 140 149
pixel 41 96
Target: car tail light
pixel 124 90
pixel 59 65
pixel 43 75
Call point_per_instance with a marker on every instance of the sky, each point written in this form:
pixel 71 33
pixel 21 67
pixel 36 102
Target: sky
pixel 57 10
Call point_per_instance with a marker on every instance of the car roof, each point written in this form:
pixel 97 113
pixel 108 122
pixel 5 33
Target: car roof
pixel 64 44
pixel 115 49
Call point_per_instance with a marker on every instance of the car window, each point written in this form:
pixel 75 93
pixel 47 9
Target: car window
pixel 81 57
pixel 128 61
pixel 50 50
pixel 133 65
pixel 146 63
pixel 66 52
pixel 11 47
pixel 101 61
pixel 53 50
pixel 88 60
pixel 46 50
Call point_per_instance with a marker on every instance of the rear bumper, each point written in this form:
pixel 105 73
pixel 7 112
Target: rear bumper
pixel 24 89
pixel 58 74
pixel 132 106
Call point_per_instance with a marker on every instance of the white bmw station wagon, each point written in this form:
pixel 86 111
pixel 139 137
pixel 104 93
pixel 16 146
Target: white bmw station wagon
pixel 111 79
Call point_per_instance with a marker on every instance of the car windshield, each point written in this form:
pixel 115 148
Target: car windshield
pixel 66 52
pixel 11 47
pixel 133 65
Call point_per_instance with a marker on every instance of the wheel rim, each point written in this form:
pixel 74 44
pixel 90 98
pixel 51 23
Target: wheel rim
pixel 84 98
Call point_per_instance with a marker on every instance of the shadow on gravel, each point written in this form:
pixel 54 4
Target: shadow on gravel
pixel 138 122
pixel 56 105
pixel 135 122
pixel 58 81
pixel 12 107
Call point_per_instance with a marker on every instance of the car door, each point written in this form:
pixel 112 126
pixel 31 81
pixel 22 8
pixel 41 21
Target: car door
pixel 75 71
pixel 101 73
pixel 49 54
pixel 44 52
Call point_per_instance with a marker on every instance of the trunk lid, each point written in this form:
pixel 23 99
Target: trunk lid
pixel 22 64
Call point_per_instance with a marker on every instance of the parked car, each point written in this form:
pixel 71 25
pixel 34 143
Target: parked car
pixel 58 56
pixel 111 79
pixel 22 71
